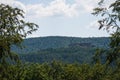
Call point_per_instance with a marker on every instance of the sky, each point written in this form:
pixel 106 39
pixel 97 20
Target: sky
pixel 71 18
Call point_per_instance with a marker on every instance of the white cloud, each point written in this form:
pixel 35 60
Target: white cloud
pixel 93 24
pixel 87 5
pixel 62 8
pixel 14 3
pixel 56 7
pixel 7 1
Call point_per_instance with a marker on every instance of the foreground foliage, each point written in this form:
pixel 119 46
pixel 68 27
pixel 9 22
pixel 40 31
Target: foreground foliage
pixel 110 70
pixel 111 19
pixel 60 71
pixel 13 29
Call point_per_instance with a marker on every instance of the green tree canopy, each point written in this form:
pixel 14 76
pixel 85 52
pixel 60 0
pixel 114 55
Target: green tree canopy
pixel 111 19
pixel 13 29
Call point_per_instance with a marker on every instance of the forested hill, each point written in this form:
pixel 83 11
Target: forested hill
pixel 36 44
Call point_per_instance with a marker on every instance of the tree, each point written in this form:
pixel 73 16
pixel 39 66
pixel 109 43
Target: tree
pixel 13 29
pixel 111 19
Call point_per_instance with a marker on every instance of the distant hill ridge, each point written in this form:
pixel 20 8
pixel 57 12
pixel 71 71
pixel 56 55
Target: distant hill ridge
pixel 39 43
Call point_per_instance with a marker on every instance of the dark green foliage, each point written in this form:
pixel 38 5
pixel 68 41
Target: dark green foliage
pixel 111 19
pixel 13 29
pixel 36 44
pixel 61 71
pixel 114 53
pixel 68 55
pixel 66 49
pixel 55 70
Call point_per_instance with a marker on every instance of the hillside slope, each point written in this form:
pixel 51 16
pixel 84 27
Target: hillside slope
pixel 67 55
pixel 36 44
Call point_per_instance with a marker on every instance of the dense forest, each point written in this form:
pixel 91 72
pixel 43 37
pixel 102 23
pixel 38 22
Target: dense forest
pixel 66 49
pixel 36 44
pixel 60 71
pixel 95 58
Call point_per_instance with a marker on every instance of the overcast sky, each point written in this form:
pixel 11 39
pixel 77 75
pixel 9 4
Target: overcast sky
pixel 61 17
